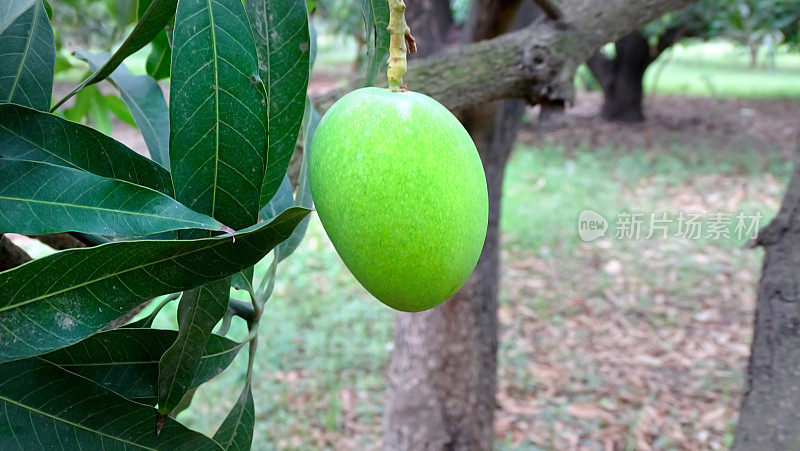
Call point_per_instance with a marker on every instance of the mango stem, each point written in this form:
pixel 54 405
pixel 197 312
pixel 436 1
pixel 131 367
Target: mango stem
pixel 400 43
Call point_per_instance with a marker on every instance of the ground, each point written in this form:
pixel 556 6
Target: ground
pixel 617 343
pixel 612 344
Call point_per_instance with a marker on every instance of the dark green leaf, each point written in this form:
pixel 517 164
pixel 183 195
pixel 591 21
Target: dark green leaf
pixel 27 60
pixel 60 299
pixel 47 407
pixel 376 19
pixel 27 134
pixel 217 114
pixel 38 198
pixel 146 103
pixel 199 311
pixel 10 10
pixel 157 63
pixel 236 432
pixel 152 22
pixel 126 360
pixel 282 41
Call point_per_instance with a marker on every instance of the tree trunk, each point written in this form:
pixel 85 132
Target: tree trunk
pixel 443 372
pixel 431 22
pixel 770 416
pixel 622 78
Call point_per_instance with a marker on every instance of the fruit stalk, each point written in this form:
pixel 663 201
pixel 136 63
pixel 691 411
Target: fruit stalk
pixel 400 42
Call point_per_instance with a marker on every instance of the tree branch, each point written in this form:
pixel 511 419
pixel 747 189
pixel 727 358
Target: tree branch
pixel 10 255
pixel 536 63
pixel 550 9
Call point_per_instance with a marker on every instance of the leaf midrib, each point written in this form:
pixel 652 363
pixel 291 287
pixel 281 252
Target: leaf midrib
pixel 216 108
pixel 34 21
pixel 76 425
pixel 274 224
pixel 126 212
pixel 108 276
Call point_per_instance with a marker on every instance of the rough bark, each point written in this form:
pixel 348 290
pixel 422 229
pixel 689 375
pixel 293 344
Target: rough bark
pixel 770 417
pixel 536 64
pixel 11 255
pixel 443 372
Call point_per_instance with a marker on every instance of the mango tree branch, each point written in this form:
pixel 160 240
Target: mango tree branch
pixel 536 63
pixel 400 42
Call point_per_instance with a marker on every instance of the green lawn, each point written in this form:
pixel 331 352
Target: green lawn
pixel 720 69
pixel 324 343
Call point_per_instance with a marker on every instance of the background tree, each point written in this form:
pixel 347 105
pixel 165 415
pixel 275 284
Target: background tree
pixel 620 67
pixel 442 376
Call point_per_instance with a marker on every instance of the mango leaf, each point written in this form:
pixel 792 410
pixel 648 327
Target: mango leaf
pixel 282 41
pixel 27 134
pixel 47 407
pixel 117 106
pixel 27 60
pixel 60 299
pixel 151 23
pixel 126 360
pixel 146 103
pixel 217 114
pixel 282 200
pixel 10 10
pixel 38 198
pixel 302 197
pixel 376 19
pixel 236 432
pixel 157 63
pixel 200 309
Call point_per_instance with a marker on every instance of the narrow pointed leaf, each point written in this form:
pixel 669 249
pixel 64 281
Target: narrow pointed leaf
pixel 145 101
pixel 10 10
pixel 151 23
pixel 199 311
pixel 157 63
pixel 126 360
pixel 236 432
pixel 376 19
pixel 28 134
pixel 217 113
pixel 38 198
pixel 282 41
pixel 27 59
pixel 43 406
pixel 60 299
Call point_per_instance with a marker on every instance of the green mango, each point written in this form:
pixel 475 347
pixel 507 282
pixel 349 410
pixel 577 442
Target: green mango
pixel 400 190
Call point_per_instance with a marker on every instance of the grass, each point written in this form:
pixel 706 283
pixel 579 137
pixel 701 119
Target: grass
pixel 721 69
pixel 324 343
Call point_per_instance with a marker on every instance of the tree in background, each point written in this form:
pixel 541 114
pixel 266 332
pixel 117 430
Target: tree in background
pixel 443 370
pixel 620 67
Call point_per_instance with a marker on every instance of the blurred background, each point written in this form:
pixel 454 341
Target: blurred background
pixel 620 342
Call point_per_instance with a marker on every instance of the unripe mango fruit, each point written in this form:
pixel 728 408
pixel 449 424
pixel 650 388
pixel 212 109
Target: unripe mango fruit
pixel 400 190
